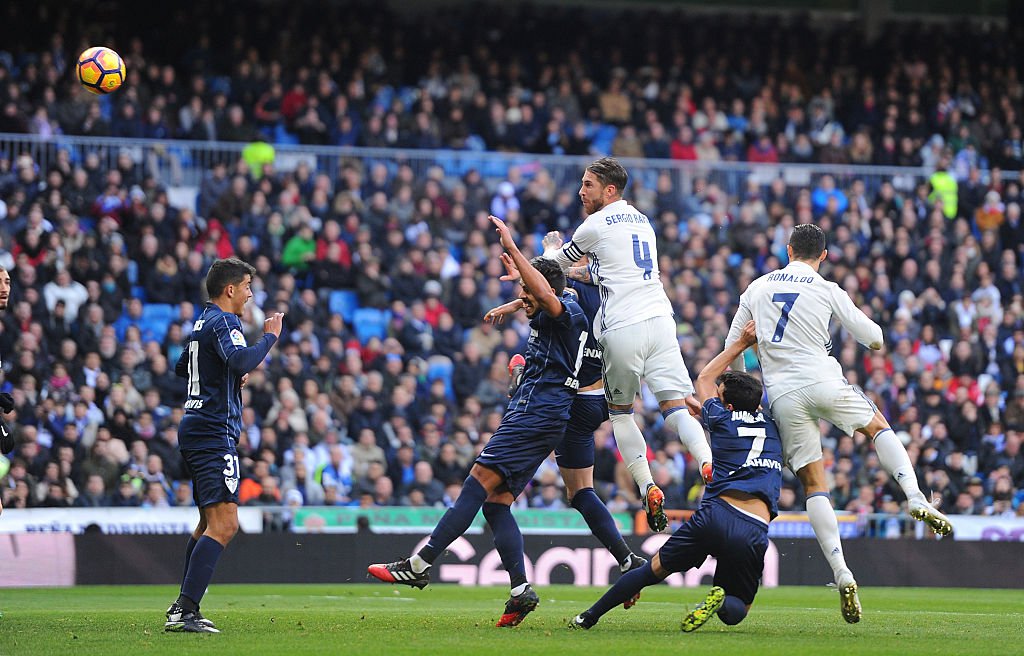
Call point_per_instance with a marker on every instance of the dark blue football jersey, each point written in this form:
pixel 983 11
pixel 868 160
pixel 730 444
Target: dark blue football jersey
pixel 746 451
pixel 213 408
pixel 554 356
pixel 589 298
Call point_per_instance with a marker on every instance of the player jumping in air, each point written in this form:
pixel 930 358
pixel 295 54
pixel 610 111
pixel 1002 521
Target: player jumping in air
pixel 637 332
pixel 532 427
pixel 575 454
pixel 216 363
pixel 792 308
pixel 732 521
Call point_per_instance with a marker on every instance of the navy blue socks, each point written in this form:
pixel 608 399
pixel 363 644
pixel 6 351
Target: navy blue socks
pixel 600 521
pixel 509 541
pixel 456 520
pixel 200 570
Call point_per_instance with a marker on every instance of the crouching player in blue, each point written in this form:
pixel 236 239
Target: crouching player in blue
pixel 742 497
pixel 216 363
pixel 533 425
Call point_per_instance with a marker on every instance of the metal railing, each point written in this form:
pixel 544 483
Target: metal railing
pixel 183 163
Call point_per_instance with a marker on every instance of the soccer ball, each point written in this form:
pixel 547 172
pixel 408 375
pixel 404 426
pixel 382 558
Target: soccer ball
pixel 100 70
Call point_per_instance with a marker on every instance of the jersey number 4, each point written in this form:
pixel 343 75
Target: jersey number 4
pixel 787 300
pixel 643 259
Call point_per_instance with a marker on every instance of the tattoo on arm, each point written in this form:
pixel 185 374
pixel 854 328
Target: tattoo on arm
pixel 580 273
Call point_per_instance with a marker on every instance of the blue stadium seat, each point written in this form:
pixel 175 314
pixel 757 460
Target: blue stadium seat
pixel 343 302
pixel 156 317
pixel 283 137
pixel 158 312
pixel 371 322
pixel 441 367
pixel 603 137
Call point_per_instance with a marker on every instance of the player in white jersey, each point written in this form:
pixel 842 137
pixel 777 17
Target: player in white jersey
pixel 792 308
pixel 635 326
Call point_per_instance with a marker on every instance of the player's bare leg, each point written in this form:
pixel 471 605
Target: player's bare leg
pixel 894 459
pixel 826 530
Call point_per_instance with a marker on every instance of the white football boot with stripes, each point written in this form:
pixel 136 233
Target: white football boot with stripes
pixel 400 572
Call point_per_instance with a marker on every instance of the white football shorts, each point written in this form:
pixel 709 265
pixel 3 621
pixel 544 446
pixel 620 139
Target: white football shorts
pixel 647 350
pixel 797 414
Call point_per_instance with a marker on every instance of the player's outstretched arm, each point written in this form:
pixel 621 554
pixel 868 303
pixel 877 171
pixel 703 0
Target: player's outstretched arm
pixel 742 318
pixel 245 359
pixel 707 388
pixel 534 281
pixel 497 315
pixel 863 329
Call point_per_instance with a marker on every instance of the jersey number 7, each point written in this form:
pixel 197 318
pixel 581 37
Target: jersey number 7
pixel 787 300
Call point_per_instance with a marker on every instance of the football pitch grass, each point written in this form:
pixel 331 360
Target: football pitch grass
pixel 455 620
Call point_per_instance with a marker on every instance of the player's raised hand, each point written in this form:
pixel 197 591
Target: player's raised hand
pixel 749 335
pixel 273 324
pixel 552 241
pixel 506 235
pixel 513 274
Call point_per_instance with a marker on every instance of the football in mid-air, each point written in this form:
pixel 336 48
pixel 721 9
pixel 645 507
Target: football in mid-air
pixel 100 70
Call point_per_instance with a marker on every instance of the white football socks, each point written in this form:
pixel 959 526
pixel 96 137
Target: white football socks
pixel 826 529
pixel 418 564
pixel 633 448
pixel 894 459
pixel 691 434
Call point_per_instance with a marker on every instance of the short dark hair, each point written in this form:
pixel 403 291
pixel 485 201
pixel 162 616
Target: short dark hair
pixel 807 241
pixel 609 172
pixel 229 271
pixel 742 390
pixel 551 271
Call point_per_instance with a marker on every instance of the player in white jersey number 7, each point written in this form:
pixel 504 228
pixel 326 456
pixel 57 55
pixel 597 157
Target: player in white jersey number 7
pixel 634 326
pixel 792 308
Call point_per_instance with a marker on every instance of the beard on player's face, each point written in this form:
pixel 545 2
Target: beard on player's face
pixel 591 205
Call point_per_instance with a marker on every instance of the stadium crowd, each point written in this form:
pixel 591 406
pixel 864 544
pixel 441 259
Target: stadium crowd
pixel 392 408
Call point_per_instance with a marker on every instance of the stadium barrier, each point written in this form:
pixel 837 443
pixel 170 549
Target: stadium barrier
pixel 95 558
pixel 180 165
pixel 173 521
pixel 420 521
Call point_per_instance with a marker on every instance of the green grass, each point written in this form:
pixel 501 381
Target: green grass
pixel 454 620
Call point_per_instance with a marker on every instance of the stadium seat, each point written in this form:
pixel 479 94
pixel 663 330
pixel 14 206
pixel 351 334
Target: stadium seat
pixel 283 137
pixel 371 322
pixel 156 317
pixel 441 367
pixel 343 302
pixel 603 137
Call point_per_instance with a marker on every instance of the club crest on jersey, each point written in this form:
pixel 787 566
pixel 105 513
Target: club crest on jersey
pixel 231 483
pixel 238 339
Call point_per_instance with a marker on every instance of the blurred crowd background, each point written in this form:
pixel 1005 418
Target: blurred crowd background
pixel 386 383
